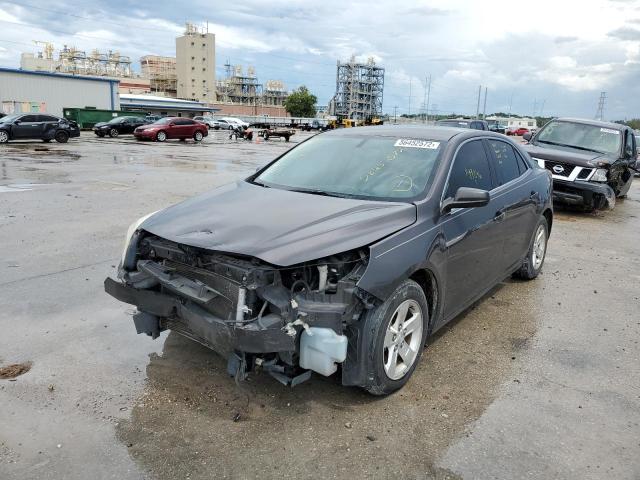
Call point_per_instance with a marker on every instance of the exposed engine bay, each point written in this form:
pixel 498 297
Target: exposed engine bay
pixel 284 320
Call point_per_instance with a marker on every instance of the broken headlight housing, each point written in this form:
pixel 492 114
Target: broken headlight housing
pixel 600 175
pixel 128 258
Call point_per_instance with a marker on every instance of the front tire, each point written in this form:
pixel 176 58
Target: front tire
pixel 4 136
pixel 161 136
pixel 113 133
pixel 534 260
pixel 394 335
pixel 198 136
pixel 62 137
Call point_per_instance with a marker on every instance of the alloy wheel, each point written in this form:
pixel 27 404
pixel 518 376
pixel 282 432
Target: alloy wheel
pixel 161 137
pixel 4 137
pixel 539 247
pixel 403 338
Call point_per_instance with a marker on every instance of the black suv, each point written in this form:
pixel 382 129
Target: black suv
pixel 592 162
pixel 463 123
pixel 33 126
pixel 118 126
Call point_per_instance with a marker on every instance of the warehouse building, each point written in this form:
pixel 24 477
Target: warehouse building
pixel 23 91
pixel 196 65
pixel 173 107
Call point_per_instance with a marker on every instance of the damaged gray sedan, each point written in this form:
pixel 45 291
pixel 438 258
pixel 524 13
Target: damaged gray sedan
pixel 348 252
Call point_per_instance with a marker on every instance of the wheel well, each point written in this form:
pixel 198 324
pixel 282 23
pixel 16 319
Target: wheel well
pixel 429 285
pixel 548 214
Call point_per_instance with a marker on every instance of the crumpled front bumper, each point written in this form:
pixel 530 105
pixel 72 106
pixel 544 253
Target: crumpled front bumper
pixel 158 312
pixel 584 194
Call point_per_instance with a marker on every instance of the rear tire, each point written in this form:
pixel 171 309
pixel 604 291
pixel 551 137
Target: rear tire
pixel 537 252
pixel 394 335
pixel 113 133
pixel 161 136
pixel 198 136
pixel 4 136
pixel 266 136
pixel 62 137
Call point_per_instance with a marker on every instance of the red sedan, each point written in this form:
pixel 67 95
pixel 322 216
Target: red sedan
pixel 517 131
pixel 172 127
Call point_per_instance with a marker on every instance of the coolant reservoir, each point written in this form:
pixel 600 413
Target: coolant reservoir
pixel 321 349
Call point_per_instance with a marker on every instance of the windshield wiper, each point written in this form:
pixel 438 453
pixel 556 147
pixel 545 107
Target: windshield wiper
pixel 314 191
pixel 571 146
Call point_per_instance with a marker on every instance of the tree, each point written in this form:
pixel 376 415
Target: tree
pixel 301 103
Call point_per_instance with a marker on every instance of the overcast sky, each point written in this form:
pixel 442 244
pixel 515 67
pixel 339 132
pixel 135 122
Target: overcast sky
pixel 555 55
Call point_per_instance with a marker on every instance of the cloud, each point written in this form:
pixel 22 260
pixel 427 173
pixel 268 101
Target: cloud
pixel 626 33
pixel 520 56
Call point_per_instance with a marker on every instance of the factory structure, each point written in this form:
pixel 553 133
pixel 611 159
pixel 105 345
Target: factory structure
pixel 184 84
pixel 359 91
pixel 190 75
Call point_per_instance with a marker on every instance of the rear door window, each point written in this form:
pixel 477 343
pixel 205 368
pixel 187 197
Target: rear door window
pixel 470 169
pixel 505 161
pixel 47 118
pixel 29 119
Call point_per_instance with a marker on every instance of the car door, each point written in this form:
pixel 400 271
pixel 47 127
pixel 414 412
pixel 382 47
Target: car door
pixel 48 125
pixel 629 156
pixel 515 201
pixel 28 126
pixel 473 238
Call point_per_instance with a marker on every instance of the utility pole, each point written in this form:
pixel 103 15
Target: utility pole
pixel 535 105
pixel 409 110
pixel 395 114
pixel 510 103
pixel 428 95
pixel 600 112
pixel 478 107
pixel 484 109
pixel 542 107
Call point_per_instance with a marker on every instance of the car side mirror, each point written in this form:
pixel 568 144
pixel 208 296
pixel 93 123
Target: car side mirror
pixel 527 136
pixel 17 122
pixel 466 197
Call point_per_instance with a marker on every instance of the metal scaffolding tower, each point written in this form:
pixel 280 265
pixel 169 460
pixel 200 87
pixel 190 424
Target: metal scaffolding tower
pixel 600 112
pixel 359 89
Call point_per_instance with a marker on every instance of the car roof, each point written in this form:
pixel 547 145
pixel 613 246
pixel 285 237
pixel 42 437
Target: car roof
pixel 597 123
pixel 411 131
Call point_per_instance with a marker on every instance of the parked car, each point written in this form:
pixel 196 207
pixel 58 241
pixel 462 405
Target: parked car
pixel 497 127
pixel 314 125
pixel 517 132
pixel 152 118
pixel 229 123
pixel 592 162
pixel 372 257
pixel 118 126
pixel 172 127
pixel 208 121
pixel 462 123
pixel 37 126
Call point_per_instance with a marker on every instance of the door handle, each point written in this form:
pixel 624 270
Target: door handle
pixel 534 196
pixel 499 216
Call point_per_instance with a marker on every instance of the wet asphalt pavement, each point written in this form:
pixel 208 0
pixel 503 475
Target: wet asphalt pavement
pixel 538 380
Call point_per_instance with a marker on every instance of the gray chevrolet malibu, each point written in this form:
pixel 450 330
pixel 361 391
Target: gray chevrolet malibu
pixel 348 251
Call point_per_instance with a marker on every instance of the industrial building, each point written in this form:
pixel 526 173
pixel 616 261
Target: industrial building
pixel 161 73
pixel 196 65
pixel 359 90
pixel 73 61
pixel 28 91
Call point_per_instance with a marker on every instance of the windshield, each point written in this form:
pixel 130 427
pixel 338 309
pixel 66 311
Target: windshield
pixel 163 121
pixel 10 118
pixel 356 166
pixel 592 138
pixel 118 120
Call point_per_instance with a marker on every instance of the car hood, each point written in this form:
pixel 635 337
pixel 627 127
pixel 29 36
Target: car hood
pixel 101 125
pixel 569 155
pixel 278 226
